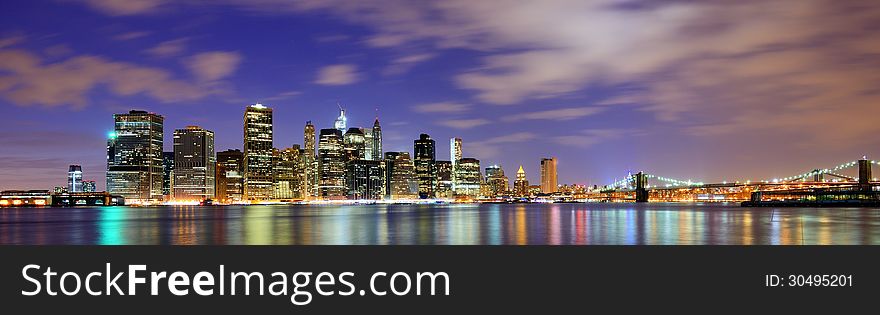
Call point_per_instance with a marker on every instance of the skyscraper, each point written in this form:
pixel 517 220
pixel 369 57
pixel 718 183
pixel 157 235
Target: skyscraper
pixel 331 165
pixel 454 156
pixel 496 180
pixel 444 179
pixel 521 184
pixel 400 176
pixel 310 166
pixel 134 161
pixel 258 168
pixel 89 186
pixel 423 149
pixel 230 178
pixel 341 122
pixel 365 179
pixel 74 178
pixel 167 174
pixel 548 175
pixel 467 173
pixel 194 164
pixel 376 141
pixel 287 170
pixel 354 144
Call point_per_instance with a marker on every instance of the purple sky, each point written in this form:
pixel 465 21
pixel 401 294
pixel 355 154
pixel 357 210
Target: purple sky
pixel 703 90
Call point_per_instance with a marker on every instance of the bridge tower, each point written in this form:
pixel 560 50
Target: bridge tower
pixel 818 176
pixel 864 174
pixel 641 187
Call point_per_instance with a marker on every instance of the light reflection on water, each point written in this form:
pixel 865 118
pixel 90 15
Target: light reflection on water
pixel 492 224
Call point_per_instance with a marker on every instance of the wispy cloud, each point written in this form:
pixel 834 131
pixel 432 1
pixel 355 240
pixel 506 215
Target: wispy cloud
pixel 403 64
pixel 168 48
pixel 441 107
pixel 463 123
pixel 589 137
pixel 554 114
pixel 125 7
pixel 131 35
pixel 281 96
pixel 215 65
pixel 341 74
pixel 492 147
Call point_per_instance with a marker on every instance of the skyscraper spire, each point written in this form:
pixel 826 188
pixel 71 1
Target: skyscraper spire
pixel 341 121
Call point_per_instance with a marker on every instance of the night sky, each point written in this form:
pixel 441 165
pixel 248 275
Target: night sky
pixel 703 90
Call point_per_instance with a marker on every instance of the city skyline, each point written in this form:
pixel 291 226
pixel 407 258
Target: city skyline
pixel 721 97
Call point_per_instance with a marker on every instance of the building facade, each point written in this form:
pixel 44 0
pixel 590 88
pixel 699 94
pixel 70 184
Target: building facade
pixel 468 177
pixel 425 156
pixel 454 156
pixel 331 165
pixel 521 184
pixel 230 176
pixel 134 157
pixel 548 175
pixel 354 143
pixel 287 173
pixel 365 179
pixel 310 164
pixel 496 181
pixel 258 167
pixel 167 174
pixel 194 164
pixel 75 178
pixel 400 176
pixel 444 179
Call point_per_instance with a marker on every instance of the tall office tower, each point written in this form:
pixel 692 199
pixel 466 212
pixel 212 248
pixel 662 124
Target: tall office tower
pixel 134 162
pixel 167 174
pixel 365 179
pixel 331 165
pixel 74 178
pixel 425 156
pixel 521 184
pixel 548 175
pixel 310 165
pixel 341 122
pixel 467 173
pixel 368 145
pixel 454 156
pixel 287 169
pixel 194 164
pixel 230 176
pixel 444 179
pixel 354 144
pixel 258 166
pixel 377 141
pixel 496 181
pixel 400 176
pixel 89 186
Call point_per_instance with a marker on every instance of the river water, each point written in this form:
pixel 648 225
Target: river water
pixel 442 224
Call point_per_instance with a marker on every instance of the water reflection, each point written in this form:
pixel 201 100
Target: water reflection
pixel 492 224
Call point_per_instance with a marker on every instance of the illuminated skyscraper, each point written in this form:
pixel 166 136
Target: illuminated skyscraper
pixel 258 168
pixel 230 176
pixel 134 157
pixel 310 165
pixel 454 156
pixel 521 184
pixel 444 179
pixel 496 181
pixel 469 179
pixel 354 144
pixel 331 165
pixel 341 122
pixel 287 170
pixel 400 176
pixel 167 174
pixel 74 178
pixel 194 164
pixel 425 156
pixel 548 175
pixel 89 186
pixel 376 141
pixel 365 179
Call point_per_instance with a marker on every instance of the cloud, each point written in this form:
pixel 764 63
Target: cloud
pixel 282 96
pixel 589 137
pixel 212 66
pixel 25 80
pixel 340 74
pixel 463 123
pixel 332 38
pixel 491 147
pixel 59 50
pixel 403 64
pixel 441 107
pixel 554 114
pixel 125 7
pixel 131 35
pixel 11 41
pixel 168 48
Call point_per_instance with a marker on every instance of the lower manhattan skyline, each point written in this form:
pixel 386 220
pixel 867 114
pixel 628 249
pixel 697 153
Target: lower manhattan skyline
pixel 720 91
